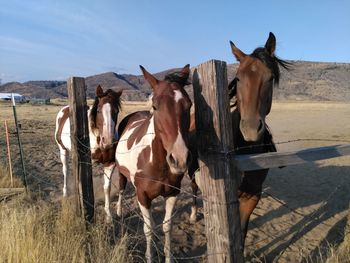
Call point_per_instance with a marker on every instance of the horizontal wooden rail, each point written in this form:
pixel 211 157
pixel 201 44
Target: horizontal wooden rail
pixel 250 162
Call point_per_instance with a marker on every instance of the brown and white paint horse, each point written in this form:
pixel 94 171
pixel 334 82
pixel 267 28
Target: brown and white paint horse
pixel 102 118
pixel 252 88
pixel 152 151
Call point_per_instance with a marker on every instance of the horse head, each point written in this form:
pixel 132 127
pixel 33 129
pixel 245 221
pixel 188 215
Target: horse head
pixel 253 86
pixel 171 110
pixel 104 116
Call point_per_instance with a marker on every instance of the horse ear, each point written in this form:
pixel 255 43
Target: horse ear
pixel 149 77
pixel 99 91
pixel 119 93
pixel 186 70
pixel 270 45
pixel 237 52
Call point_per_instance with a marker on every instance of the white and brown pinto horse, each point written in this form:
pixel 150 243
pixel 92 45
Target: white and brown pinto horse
pixel 252 89
pixel 102 118
pixel 152 151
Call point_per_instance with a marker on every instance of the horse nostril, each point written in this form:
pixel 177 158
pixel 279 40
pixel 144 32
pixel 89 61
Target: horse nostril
pixel 172 160
pixel 260 126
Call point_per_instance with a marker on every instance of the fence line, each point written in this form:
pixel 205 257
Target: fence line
pixel 183 192
pixel 226 154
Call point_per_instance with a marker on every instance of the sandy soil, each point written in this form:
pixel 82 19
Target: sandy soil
pixel 304 207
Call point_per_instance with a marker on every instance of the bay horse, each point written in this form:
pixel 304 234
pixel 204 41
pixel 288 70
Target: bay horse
pixel 252 89
pixel 102 118
pixel 152 151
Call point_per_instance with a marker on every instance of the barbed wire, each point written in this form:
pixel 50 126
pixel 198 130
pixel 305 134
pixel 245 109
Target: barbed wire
pixel 235 149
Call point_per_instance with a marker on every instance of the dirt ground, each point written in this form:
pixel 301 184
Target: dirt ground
pixel 303 209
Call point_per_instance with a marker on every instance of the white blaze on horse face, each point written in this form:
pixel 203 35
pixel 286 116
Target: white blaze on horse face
pixel 178 95
pixel 128 157
pixel 108 130
pixel 179 152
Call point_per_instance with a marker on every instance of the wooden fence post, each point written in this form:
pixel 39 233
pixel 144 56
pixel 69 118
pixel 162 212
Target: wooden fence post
pixel 217 174
pixel 81 155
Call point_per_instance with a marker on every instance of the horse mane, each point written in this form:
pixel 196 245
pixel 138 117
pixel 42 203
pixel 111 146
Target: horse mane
pixel 115 101
pixel 178 77
pixel 272 62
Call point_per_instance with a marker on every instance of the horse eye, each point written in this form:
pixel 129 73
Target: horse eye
pixel 154 107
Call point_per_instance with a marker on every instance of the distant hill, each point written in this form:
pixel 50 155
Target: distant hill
pixel 30 90
pixel 306 81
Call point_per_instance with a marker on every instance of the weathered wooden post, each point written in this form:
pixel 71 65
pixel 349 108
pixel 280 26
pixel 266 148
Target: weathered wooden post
pixel 81 155
pixel 217 174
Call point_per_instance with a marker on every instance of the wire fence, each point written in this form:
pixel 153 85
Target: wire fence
pixel 122 223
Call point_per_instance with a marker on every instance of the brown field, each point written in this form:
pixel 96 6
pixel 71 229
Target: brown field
pixel 304 208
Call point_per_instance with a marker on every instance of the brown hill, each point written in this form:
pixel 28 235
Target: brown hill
pixel 306 81
pixel 30 90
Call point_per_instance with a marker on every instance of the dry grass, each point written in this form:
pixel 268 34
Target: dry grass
pixel 342 253
pixel 40 232
pixel 5 179
pixel 33 230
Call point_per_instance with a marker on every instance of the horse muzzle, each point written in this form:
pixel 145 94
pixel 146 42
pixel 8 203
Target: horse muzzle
pixel 177 165
pixel 252 129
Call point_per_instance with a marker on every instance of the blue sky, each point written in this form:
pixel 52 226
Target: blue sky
pixel 45 40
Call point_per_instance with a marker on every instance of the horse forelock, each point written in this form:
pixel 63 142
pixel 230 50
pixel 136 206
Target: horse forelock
pixel 178 77
pixel 113 99
pixel 272 62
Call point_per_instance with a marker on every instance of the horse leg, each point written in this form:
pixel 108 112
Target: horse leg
pixel 249 196
pixel 148 227
pixel 192 168
pixel 65 169
pixel 247 204
pixel 122 185
pixel 167 226
pixel 194 186
pixel 108 171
